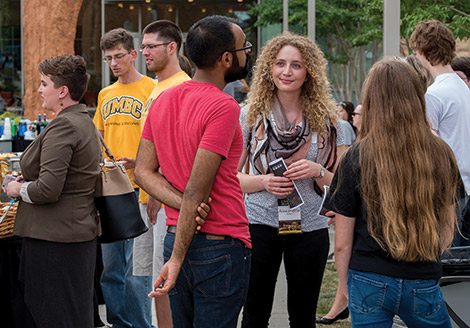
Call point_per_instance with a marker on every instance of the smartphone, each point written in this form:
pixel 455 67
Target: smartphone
pixel 294 199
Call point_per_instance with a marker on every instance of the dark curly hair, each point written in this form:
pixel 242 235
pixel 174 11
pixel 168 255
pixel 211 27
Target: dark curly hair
pixel 435 41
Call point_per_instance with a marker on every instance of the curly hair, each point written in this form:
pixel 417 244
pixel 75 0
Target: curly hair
pixel 435 41
pixel 315 98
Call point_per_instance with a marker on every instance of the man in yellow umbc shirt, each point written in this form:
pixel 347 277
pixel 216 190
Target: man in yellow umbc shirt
pixel 117 117
pixel 160 46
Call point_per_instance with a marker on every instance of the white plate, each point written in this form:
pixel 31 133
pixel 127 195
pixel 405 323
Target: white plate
pixel 111 164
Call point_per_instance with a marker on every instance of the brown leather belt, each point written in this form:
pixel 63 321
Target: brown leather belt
pixel 208 236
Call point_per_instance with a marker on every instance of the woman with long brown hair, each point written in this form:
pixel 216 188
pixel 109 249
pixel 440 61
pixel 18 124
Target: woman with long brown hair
pixel 394 201
pixel 291 115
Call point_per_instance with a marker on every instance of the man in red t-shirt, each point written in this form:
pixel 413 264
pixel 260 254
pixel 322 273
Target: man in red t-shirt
pixel 197 129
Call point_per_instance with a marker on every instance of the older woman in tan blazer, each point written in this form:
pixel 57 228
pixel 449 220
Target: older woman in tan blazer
pixel 56 214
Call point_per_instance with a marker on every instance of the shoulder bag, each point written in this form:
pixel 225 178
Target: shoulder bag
pixel 116 202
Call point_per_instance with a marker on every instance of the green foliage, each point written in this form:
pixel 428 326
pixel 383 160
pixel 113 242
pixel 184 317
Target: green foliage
pixel 359 22
pixel 347 30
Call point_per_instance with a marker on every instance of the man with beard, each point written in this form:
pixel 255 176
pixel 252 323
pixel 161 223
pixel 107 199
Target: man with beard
pixel 160 47
pixel 195 138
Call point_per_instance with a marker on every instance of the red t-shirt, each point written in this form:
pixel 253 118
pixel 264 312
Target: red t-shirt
pixel 196 115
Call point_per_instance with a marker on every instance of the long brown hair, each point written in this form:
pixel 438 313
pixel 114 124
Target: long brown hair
pixel 408 175
pixel 316 100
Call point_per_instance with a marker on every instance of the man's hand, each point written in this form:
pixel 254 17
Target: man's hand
pixel 129 162
pixel 168 275
pixel 153 206
pixel 203 210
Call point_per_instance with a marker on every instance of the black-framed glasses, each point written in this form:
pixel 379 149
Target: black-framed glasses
pixel 152 46
pixel 248 46
pixel 354 114
pixel 118 57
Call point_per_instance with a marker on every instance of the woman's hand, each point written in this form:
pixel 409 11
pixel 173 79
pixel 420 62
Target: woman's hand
pixel 303 169
pixel 278 186
pixel 13 189
pixel 203 210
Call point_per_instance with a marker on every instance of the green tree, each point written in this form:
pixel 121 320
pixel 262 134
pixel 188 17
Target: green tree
pixel 349 32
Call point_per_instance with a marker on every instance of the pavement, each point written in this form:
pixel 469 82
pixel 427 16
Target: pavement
pixel 279 318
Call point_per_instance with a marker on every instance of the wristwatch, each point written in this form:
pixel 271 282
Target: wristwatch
pixel 322 172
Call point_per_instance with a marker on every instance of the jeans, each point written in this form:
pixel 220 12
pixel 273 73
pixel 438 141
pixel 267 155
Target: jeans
pixel 305 257
pixel 125 295
pixel 374 299
pixel 212 285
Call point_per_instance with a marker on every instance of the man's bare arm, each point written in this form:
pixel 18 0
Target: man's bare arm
pixel 205 167
pixel 146 175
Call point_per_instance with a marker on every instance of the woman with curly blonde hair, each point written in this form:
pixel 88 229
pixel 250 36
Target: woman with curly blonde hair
pixel 289 114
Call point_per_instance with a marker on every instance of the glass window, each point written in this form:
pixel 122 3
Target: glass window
pixel 10 53
pixel 135 15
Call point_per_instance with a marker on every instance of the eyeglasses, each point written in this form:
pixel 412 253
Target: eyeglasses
pixel 248 46
pixel 118 57
pixel 152 46
pixel 354 114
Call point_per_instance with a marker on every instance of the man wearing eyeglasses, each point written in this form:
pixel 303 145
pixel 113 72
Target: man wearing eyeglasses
pixel 447 99
pixel 118 118
pixel 160 47
pixel 193 135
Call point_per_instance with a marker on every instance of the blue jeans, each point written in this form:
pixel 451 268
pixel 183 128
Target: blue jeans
pixel 213 282
pixel 374 299
pixel 125 295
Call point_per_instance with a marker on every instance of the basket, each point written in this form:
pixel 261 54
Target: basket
pixel 6 227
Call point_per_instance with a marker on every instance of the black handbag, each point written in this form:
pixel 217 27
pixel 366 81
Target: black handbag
pixel 116 203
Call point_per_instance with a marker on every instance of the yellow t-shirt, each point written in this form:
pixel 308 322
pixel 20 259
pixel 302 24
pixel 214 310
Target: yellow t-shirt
pixel 118 114
pixel 172 81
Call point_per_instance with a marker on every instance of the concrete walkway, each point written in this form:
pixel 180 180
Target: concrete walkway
pixel 279 314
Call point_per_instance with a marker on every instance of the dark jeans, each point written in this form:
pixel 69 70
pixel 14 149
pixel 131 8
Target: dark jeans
pixel 305 257
pixel 212 285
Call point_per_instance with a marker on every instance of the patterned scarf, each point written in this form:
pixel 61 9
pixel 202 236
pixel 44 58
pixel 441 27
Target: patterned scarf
pixel 285 139
pixel 290 141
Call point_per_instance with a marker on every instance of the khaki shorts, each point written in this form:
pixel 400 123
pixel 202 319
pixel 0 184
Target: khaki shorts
pixel 148 247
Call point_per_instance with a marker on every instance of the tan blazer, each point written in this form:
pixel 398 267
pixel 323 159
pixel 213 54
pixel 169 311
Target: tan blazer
pixel 62 163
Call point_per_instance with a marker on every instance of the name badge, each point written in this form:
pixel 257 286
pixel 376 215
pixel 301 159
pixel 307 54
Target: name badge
pixel 290 220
